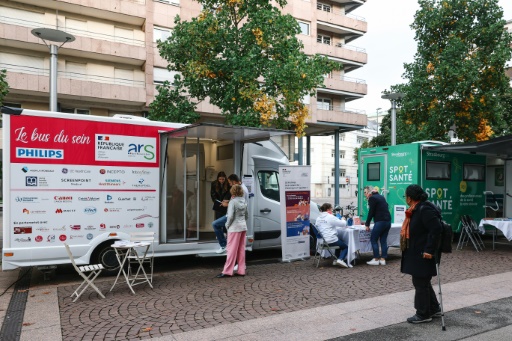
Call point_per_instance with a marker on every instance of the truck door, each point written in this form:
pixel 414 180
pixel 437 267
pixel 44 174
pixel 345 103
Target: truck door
pixel 267 215
pixel 373 173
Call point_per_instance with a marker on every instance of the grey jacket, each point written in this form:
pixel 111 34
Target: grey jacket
pixel 237 215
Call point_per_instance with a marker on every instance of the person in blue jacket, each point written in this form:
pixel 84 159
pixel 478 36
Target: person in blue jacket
pixel 379 212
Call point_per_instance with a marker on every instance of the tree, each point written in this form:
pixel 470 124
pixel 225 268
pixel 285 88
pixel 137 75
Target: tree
pixel 4 87
pixel 458 76
pixel 244 56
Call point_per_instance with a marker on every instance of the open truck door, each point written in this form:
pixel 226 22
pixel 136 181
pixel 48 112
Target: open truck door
pixel 191 158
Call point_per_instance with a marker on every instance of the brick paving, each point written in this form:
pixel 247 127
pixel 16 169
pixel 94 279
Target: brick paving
pixel 191 299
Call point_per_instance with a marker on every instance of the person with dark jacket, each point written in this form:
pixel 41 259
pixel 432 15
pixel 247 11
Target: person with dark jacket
pixel 219 192
pixel 420 232
pixel 379 212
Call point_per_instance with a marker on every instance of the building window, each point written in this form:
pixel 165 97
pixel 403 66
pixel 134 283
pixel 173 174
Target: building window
pixel 324 7
pixel 304 28
pixel 342 172
pixel 343 186
pixel 323 103
pixel 342 154
pixel 342 137
pixel 332 152
pixel 170 2
pixel 161 33
pixel 75 111
pixel 323 39
pixel 361 139
pixel 160 75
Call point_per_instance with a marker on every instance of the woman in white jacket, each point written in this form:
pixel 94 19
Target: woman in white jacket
pixel 237 229
pixel 326 224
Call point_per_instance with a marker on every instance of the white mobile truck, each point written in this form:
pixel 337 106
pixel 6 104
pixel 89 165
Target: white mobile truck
pixel 89 180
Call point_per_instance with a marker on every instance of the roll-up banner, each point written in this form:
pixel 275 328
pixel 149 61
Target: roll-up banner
pixel 295 195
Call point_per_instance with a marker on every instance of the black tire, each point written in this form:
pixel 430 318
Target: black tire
pixel 106 256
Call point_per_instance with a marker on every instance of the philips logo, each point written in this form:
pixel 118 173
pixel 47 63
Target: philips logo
pixel 35 153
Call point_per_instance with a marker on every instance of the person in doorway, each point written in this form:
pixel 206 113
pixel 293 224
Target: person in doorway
pixel 219 224
pixel 379 212
pixel 326 224
pixel 237 228
pixel 220 191
pixel 420 232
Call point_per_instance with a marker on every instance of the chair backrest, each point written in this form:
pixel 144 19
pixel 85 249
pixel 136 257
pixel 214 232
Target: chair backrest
pixel 68 250
pixel 317 233
pixel 142 236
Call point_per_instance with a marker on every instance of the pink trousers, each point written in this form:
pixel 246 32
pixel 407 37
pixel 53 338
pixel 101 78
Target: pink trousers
pixel 236 253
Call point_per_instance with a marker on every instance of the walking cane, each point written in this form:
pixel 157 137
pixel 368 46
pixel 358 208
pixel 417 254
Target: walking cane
pixel 438 261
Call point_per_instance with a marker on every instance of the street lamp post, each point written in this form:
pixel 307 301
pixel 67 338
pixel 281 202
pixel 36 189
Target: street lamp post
pixel 393 97
pixel 51 35
pixel 378 123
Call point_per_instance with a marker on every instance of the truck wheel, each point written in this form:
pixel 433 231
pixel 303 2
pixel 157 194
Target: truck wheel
pixel 106 256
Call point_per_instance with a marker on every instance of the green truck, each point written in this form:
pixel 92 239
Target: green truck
pixel 455 182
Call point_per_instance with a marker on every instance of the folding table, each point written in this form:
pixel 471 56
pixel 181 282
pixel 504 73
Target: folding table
pixel 134 250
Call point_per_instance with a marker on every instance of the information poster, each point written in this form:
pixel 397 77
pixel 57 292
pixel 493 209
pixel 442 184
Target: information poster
pixel 295 194
pixel 399 214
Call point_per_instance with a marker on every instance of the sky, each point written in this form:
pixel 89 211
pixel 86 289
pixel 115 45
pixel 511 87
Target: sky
pixel 389 44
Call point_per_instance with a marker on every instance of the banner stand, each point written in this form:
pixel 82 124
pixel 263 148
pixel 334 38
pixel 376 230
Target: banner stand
pixel 295 198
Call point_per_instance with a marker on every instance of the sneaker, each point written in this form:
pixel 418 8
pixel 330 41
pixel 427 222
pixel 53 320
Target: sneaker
pixel 382 262
pixel 235 268
pixel 341 263
pixel 373 262
pixel 221 250
pixel 437 313
pixel 417 319
pixel 335 262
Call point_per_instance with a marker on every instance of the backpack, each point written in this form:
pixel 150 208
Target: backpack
pixel 444 244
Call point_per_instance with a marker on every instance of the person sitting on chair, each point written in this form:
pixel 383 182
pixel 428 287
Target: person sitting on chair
pixel 326 224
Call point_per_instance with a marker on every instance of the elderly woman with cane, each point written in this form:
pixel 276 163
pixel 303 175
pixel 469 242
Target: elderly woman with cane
pixel 420 232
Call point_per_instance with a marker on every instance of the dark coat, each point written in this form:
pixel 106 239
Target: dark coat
pixel 379 209
pixel 220 195
pixel 424 231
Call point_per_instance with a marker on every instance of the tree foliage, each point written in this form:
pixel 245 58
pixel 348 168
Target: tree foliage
pixel 458 76
pixel 4 87
pixel 244 56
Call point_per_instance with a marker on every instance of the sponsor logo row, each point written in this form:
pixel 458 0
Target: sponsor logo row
pixel 62 199
pixel 77 227
pixel 87 210
pixel 39 181
pixel 103 171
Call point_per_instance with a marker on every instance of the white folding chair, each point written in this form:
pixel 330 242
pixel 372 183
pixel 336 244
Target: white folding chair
pixel 94 271
pixel 142 256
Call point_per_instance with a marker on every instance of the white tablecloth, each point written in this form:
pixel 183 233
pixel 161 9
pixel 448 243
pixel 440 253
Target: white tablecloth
pixel 358 239
pixel 502 225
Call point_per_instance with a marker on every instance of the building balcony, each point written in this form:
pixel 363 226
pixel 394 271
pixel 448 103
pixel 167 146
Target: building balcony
pixel 347 87
pixel 92 89
pixel 350 5
pixel 352 57
pixel 348 26
pixel 336 115
pixel 87 44
pixel 131 12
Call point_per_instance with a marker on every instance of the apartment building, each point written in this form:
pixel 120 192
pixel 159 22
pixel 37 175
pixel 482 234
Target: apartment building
pixel 113 65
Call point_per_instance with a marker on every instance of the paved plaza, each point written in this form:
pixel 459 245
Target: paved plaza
pixel 285 301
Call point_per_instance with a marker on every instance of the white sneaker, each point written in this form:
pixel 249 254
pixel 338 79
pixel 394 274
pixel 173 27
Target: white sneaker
pixel 382 262
pixel 373 262
pixel 235 268
pixel 341 263
pixel 335 262
pixel 221 250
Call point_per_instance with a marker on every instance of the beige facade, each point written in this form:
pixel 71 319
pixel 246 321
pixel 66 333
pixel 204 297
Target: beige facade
pixel 113 65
